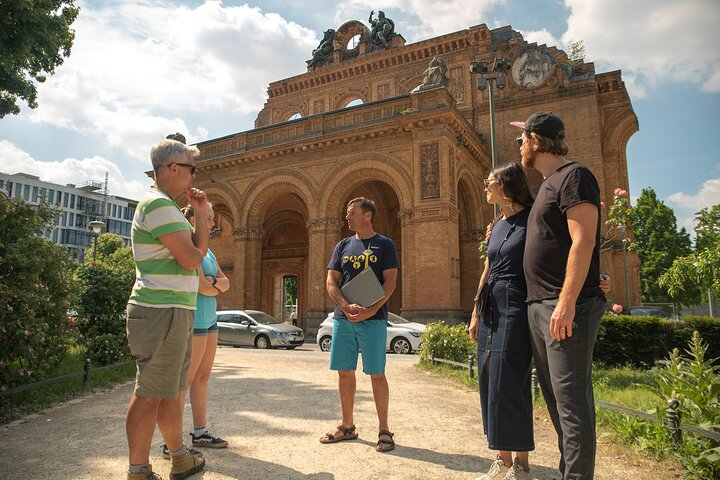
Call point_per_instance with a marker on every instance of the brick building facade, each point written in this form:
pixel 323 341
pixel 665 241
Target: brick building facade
pixel 280 189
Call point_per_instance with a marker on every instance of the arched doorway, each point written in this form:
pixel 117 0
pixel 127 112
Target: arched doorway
pixel 284 255
pixel 222 246
pixel 471 234
pixel 386 223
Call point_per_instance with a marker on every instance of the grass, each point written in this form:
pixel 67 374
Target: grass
pixel 20 404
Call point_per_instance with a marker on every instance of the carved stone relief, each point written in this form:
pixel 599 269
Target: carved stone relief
pixel 430 170
pixel 457 83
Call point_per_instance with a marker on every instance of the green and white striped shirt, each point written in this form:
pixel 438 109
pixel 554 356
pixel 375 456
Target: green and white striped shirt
pixel 160 281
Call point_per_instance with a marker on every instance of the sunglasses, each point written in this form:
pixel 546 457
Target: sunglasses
pixel 191 166
pixel 521 139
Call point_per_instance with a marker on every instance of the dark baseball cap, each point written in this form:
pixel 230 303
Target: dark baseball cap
pixel 546 124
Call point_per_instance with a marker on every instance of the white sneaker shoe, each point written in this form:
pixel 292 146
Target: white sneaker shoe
pixel 516 472
pixel 498 471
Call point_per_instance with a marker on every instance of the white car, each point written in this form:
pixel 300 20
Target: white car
pixel 403 336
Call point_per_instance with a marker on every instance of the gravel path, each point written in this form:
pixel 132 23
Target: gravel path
pixel 273 406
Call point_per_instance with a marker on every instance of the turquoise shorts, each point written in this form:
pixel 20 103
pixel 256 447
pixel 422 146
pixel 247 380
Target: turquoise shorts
pixel 350 338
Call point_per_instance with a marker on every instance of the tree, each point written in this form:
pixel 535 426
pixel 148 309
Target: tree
pixel 701 269
pixel 36 293
pixel 707 230
pixel 35 35
pixel 658 243
pixel 105 286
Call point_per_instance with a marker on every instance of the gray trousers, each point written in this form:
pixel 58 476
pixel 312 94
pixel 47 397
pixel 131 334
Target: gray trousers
pixel 564 370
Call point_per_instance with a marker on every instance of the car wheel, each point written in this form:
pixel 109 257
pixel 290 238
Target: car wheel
pixel 325 343
pixel 262 342
pixel 400 345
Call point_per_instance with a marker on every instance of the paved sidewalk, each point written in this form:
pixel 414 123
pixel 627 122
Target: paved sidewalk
pixel 273 406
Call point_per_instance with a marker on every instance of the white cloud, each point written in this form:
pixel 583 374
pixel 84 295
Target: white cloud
pixel 71 170
pixel 541 37
pixel 137 69
pixel 687 205
pixel 650 40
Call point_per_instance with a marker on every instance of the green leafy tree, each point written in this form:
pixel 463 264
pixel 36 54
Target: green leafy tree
pixel 36 293
pixel 658 243
pixel 105 288
pixel 35 35
pixel 707 230
pixel 701 269
pixel 576 56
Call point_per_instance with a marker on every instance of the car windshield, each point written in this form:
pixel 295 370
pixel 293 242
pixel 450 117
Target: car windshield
pixel 263 318
pixel 396 319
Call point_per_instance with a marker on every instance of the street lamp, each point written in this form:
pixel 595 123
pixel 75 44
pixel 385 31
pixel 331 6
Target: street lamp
pixel 491 76
pixel 96 226
pixel 622 229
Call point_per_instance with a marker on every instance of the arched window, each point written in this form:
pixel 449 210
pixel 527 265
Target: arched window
pixel 354 102
pixel 294 116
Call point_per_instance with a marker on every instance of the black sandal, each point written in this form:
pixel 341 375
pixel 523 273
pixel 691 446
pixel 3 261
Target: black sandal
pixel 348 434
pixel 382 445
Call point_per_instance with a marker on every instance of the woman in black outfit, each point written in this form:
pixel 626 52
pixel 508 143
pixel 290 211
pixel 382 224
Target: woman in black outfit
pixel 501 331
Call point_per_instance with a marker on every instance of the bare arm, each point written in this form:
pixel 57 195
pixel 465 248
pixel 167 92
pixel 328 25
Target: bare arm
pixel 582 224
pixel 475 319
pixel 182 247
pixel 389 283
pixel 332 285
pixel 223 283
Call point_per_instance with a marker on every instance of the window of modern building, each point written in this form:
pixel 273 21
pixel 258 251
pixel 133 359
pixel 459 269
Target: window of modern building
pixel 51 196
pixel 26 193
pixel 72 200
pixel 71 220
pixel 114 210
pixel 2 183
pixel 65 199
pixel 35 194
pixel 58 196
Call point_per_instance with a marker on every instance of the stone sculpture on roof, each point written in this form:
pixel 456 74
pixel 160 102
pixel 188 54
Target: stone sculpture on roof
pixel 323 50
pixel 382 29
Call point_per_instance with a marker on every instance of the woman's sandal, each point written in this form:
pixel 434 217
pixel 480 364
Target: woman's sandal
pixel 347 434
pixel 385 445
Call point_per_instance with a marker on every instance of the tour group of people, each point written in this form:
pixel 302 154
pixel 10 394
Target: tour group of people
pixel 540 297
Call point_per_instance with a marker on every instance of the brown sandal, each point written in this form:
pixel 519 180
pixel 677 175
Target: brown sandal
pixel 385 445
pixel 348 434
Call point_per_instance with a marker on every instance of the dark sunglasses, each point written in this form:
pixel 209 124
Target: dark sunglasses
pixel 519 140
pixel 191 166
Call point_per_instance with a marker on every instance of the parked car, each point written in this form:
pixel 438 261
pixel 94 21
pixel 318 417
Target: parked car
pixel 652 311
pixel 403 335
pixel 257 329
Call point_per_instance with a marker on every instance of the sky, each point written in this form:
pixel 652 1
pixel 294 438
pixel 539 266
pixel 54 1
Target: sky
pixel 141 69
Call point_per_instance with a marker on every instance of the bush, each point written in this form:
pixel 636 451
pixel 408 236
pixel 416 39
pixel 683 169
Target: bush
pixel 449 343
pixel 105 289
pixel 36 293
pixel 643 340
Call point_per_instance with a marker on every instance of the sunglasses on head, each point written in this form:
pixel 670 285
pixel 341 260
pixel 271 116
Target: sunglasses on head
pixel 191 166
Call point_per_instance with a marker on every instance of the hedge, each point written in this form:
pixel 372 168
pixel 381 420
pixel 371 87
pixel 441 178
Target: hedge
pixel 642 340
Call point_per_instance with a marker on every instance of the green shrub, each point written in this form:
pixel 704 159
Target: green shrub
pixel 643 340
pixel 449 343
pixel 105 288
pixel 630 340
pixel 36 292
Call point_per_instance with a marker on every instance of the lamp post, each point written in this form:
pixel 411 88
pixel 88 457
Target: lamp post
pixel 96 226
pixel 622 229
pixel 491 76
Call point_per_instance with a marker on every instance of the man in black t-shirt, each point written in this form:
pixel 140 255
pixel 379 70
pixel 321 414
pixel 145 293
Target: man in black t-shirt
pixel 358 328
pixel 565 303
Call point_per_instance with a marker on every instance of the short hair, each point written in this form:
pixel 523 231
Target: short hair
pixel 177 136
pixel 557 146
pixel 366 205
pixel 164 152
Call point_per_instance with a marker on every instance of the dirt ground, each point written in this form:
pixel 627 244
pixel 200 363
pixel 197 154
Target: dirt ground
pixel 273 406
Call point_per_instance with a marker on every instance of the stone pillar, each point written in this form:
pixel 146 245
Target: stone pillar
pixel 323 235
pixel 248 264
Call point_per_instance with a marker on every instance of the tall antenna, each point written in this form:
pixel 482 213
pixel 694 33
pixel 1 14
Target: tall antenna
pixel 105 195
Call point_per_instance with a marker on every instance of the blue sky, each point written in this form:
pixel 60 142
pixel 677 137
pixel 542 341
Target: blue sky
pixel 141 69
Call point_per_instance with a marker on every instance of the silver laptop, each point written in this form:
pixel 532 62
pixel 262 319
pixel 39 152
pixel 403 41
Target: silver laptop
pixel 364 289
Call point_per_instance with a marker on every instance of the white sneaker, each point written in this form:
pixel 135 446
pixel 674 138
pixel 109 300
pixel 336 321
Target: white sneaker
pixel 517 473
pixel 497 471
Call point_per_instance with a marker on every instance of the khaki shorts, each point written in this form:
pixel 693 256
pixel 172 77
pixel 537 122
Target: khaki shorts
pixel 161 341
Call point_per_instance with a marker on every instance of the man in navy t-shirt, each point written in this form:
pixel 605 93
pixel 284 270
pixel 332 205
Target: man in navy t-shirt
pixel 360 328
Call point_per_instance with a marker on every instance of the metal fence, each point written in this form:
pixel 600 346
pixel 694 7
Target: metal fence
pixel 671 419
pixel 87 370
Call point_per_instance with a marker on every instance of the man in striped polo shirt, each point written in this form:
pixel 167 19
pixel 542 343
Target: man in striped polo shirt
pixel 161 307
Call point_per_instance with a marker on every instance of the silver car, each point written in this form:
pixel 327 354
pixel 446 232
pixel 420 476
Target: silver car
pixel 254 328
pixel 403 336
